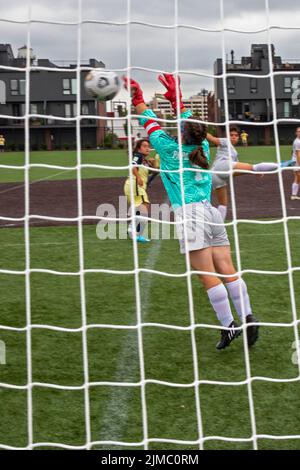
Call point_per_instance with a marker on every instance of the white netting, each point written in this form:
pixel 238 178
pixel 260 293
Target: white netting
pixel 138 327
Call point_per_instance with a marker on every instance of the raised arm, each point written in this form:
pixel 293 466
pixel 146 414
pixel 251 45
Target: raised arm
pixel 159 139
pixel 213 140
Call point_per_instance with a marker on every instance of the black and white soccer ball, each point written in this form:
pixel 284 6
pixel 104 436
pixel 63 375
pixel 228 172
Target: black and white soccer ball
pixel 102 85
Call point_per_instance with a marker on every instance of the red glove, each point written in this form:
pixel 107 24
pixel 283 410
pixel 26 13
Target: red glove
pixel 136 91
pixel 169 82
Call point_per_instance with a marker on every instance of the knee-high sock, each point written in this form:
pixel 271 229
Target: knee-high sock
pixel 234 289
pixel 295 189
pixel 265 166
pixel 223 211
pixel 219 300
pixel 140 223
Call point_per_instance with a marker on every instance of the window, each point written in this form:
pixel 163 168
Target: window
pixel 231 85
pixel 68 110
pixel 2 92
pixel 74 86
pixel 239 107
pixel 253 85
pixel 66 86
pixel 14 87
pixel 69 86
pixel 18 109
pixel 287 84
pixel 18 87
pixel 22 86
pixel 231 109
pixel 85 109
pixel 33 108
pixel 286 109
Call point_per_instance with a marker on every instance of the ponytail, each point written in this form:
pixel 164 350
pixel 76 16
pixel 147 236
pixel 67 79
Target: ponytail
pixel 194 134
pixel 198 157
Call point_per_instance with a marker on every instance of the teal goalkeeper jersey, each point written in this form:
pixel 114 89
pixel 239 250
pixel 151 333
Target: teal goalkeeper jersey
pixel 196 184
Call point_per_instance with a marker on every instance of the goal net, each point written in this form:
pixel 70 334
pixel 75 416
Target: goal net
pixel 108 344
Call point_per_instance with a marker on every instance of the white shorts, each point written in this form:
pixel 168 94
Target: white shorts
pixel 201 233
pixel 220 180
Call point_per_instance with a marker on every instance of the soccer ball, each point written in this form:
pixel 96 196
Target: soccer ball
pixel 102 85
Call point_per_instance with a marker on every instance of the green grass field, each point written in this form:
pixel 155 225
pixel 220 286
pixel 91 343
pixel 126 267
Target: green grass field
pixel 116 413
pixel 58 416
pixel 112 158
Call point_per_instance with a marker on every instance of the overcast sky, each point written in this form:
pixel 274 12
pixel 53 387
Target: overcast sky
pixel 151 47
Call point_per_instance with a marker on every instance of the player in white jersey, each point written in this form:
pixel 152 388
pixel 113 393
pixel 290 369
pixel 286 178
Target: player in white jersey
pixel 296 160
pixel 226 156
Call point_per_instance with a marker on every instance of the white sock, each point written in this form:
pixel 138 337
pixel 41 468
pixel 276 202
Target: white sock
pixel 265 166
pixel 140 223
pixel 223 211
pixel 234 292
pixel 220 303
pixel 130 230
pixel 295 189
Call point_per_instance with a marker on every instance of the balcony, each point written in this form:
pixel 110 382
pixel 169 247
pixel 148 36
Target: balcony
pixel 251 118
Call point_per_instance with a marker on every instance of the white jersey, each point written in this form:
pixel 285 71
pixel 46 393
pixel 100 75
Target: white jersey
pixel 296 146
pixel 226 151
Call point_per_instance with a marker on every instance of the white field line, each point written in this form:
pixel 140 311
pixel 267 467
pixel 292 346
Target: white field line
pixel 34 182
pixel 115 418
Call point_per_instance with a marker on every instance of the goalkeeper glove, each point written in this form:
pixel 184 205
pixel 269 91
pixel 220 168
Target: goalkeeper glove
pixel 169 82
pixel 135 91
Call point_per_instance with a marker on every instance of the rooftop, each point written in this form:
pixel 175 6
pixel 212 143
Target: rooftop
pixel 8 58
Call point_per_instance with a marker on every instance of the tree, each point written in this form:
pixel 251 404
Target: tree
pixel 110 140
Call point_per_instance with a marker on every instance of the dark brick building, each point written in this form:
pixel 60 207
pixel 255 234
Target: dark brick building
pixel 52 94
pixel 249 99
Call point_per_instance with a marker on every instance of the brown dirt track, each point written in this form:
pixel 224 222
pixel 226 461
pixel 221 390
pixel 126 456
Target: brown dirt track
pixel 255 198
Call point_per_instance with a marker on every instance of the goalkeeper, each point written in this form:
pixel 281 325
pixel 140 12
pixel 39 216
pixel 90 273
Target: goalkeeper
pixel 206 240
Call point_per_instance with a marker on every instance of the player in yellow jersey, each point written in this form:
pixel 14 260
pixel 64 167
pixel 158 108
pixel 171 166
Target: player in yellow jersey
pixel 2 143
pixel 244 137
pixel 142 165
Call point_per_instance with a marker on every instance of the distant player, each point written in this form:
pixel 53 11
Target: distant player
pixel 142 166
pixel 226 151
pixel 2 143
pixel 244 137
pixel 296 160
pixel 207 243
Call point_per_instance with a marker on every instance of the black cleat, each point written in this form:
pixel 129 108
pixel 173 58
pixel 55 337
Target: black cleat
pixel 252 331
pixel 228 335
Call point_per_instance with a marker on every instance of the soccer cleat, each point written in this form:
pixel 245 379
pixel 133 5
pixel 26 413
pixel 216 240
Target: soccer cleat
pixel 252 331
pixel 287 163
pixel 142 239
pixel 228 335
pixel 295 198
